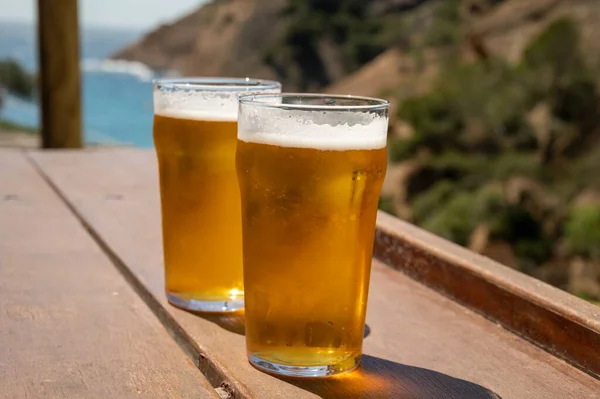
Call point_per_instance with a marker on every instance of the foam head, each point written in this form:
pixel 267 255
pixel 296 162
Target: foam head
pixel 206 98
pixel 319 127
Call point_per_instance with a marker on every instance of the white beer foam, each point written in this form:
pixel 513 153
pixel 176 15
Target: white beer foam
pixel 190 103
pixel 369 130
pixel 202 115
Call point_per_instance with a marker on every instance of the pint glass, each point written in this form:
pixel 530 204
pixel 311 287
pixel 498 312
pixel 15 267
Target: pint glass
pixel 310 170
pixel 195 130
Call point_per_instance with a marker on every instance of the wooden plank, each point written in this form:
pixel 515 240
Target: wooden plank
pixel 70 325
pixel 421 344
pixel 60 87
pixel 561 323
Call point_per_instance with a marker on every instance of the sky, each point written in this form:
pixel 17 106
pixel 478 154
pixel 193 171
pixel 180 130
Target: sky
pixel 129 14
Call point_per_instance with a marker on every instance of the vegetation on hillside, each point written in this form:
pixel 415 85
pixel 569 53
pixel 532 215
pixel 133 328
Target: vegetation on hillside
pixel 15 79
pixel 508 154
pixel 327 39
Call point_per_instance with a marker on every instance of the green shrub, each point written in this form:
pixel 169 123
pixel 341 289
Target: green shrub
pixel 582 231
pixel 433 199
pixel 386 204
pixel 582 173
pixel 533 252
pixel 576 102
pixel 355 35
pixel 453 213
pixel 472 170
pixel 395 32
pixel 459 163
pixel 489 206
pixel 555 54
pixel 494 94
pixel 511 164
pixel 402 149
pixel 447 25
pixel 479 106
pixel 517 223
pixel 16 79
pixel 434 120
pixel 453 219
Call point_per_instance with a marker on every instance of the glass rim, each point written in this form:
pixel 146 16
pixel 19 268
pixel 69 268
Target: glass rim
pixel 215 84
pixel 368 103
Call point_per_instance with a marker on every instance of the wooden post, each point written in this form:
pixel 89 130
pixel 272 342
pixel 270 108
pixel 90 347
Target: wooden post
pixel 60 91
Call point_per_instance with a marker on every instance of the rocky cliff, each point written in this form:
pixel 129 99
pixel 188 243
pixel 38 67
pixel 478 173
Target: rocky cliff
pixel 311 44
pixel 222 38
pixel 306 44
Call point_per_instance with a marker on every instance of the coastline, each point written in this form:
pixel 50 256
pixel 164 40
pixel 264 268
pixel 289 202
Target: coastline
pixel 24 137
pixel 17 136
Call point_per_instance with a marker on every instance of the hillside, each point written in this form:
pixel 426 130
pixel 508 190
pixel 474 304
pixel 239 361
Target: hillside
pixel 502 30
pixel 509 27
pixel 500 144
pixel 311 44
pixel 223 38
pixel 306 44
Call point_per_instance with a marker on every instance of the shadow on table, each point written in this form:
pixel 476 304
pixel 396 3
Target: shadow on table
pixel 376 378
pixel 379 378
pixel 234 322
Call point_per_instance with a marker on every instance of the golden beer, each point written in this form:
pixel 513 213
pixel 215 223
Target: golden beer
pixel 200 201
pixel 308 217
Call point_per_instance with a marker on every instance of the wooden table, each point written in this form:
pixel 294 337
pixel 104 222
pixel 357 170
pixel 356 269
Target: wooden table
pixel 83 313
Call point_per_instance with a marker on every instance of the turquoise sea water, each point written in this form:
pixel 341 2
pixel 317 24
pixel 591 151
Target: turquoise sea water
pixel 117 96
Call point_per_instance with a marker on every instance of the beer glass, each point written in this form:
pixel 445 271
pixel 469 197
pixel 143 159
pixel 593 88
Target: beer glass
pixel 195 134
pixel 310 170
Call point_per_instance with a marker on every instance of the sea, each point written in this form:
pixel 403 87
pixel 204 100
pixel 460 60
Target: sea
pixel 116 95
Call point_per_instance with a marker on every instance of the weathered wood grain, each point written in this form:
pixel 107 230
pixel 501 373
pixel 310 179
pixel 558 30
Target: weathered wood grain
pixel 70 325
pixel 559 322
pixel 421 344
pixel 60 82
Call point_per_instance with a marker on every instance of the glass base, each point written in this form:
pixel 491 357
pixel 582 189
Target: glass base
pixel 304 371
pixel 194 305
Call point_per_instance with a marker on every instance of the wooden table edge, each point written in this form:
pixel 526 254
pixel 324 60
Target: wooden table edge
pixel 560 323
